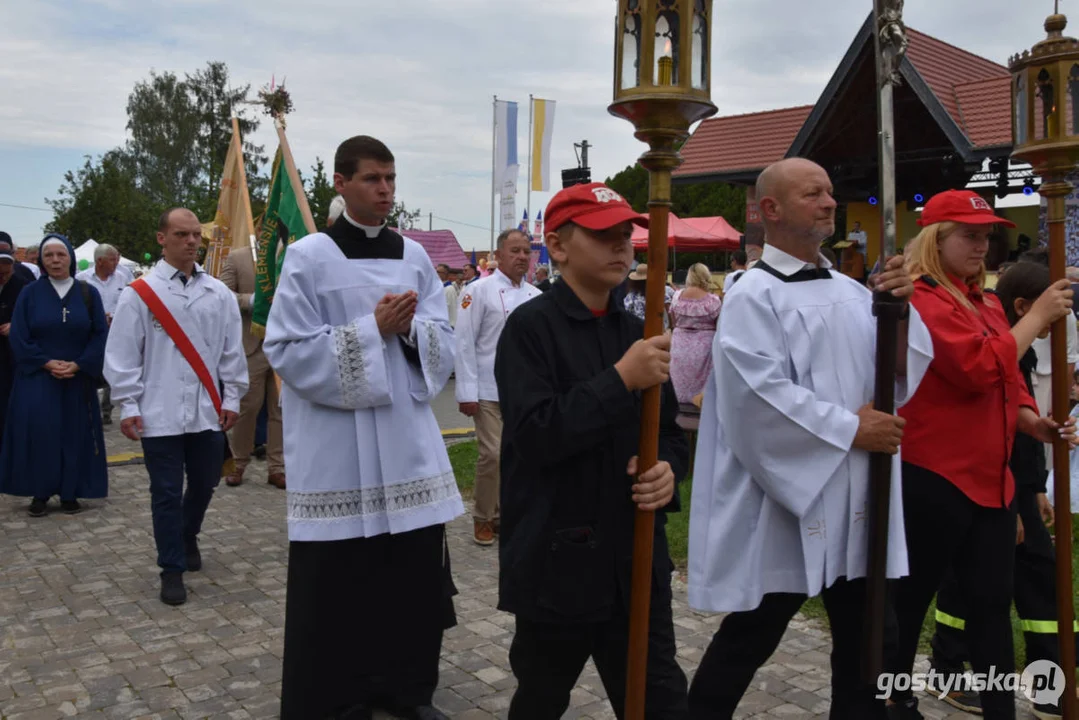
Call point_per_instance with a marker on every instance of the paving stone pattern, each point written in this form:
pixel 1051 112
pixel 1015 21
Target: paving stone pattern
pixel 82 633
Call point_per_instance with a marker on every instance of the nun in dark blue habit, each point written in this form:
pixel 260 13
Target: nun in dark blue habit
pixel 53 442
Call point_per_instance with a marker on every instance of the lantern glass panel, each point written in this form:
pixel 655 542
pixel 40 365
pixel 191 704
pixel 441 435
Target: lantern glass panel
pixel 631 46
pixel 1021 108
pixel 1046 106
pixel 667 44
pixel 1073 100
pixel 700 46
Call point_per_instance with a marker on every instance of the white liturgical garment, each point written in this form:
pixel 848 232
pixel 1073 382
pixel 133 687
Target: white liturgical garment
pixel 363 449
pixel 779 495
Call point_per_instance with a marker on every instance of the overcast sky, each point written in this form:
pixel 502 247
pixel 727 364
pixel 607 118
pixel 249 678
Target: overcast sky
pixel 419 74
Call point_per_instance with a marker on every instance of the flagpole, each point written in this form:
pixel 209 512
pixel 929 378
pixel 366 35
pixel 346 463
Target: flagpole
pixel 294 178
pixel 494 161
pixel 531 148
pixel 244 193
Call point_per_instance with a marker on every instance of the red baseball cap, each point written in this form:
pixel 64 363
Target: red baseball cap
pixel 593 206
pixel 961 206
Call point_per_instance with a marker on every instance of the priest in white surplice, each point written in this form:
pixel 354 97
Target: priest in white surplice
pixel 782 467
pixel 359 334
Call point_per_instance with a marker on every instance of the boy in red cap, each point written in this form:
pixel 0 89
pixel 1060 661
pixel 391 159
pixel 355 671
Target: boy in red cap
pixel 570 367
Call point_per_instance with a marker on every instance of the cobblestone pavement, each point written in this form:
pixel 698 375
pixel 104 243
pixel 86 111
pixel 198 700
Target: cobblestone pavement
pixel 82 633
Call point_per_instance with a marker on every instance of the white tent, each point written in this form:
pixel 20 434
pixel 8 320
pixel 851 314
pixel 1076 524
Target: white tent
pixel 86 252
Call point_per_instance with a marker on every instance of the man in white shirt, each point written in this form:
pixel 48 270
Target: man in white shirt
pixel 859 238
pixel 162 401
pixel 449 288
pixel 106 276
pixel 484 307
pixel 738 266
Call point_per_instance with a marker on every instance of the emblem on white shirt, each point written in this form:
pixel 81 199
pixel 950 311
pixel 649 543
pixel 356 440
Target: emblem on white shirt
pixel 605 195
pixel 157 323
pixel 466 301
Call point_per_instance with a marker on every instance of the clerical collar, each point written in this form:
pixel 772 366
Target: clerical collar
pixel 61 286
pixel 372 231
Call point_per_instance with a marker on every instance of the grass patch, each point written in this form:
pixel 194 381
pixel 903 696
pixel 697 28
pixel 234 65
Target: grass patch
pixel 463 456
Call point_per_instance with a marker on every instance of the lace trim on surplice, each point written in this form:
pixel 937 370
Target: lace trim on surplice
pixel 388 500
pixel 351 366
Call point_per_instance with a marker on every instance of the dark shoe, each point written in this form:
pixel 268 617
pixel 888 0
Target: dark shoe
pixel 496 526
pixel 356 712
pixel 277 480
pixel 106 419
pixel 417 712
pixel 259 452
pixel 906 710
pixel 483 532
pixel 38 507
pixel 173 591
pixel 192 556
pixel 71 507
pixel 1048 712
pixel 957 694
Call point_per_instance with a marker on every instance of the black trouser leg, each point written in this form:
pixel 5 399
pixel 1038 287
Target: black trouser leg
pixel 665 691
pixel 546 659
pixel 949 637
pixel 852 697
pixel 743 643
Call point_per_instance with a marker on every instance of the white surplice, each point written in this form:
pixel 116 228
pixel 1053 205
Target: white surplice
pixel 148 375
pixel 779 495
pixel 363 449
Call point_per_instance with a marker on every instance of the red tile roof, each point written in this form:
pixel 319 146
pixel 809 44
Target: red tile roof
pixel 441 246
pixel 742 142
pixel 973 90
pixel 985 107
pixel 944 66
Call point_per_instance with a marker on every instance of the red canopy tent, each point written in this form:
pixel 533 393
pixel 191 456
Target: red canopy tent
pixel 713 234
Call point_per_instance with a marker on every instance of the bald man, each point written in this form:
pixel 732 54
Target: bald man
pixel 162 402
pixel 779 514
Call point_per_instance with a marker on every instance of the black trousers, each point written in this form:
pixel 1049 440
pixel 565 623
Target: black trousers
pixel 945 529
pixel 363 623
pixel 547 659
pixel 1034 591
pixel 746 640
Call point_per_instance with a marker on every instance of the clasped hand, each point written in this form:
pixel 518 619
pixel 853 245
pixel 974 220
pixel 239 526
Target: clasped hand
pixel 394 313
pixel 62 369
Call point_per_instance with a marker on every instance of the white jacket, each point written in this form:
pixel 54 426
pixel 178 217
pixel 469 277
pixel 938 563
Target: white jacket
pixel 148 375
pixel 482 311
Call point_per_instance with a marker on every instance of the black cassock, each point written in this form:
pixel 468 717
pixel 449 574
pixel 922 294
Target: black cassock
pixel 364 616
pixel 8 295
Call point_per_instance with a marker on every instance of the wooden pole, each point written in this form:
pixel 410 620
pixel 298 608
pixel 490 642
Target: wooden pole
pixel 294 178
pixel 1056 192
pixel 889 43
pixel 244 193
pixel 659 207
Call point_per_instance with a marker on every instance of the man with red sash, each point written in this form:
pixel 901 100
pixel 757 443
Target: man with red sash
pixel 176 365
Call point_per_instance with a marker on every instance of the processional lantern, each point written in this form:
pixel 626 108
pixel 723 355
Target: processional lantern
pixel 1045 131
pixel 662 56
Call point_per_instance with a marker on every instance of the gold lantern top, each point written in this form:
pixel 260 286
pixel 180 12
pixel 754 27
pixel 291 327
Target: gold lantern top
pixel 1045 102
pixel 662 57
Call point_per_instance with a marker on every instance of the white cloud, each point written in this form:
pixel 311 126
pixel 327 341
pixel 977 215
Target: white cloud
pixel 420 73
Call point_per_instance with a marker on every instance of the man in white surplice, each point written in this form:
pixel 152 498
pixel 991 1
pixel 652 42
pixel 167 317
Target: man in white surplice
pixel 359 334
pixel 782 467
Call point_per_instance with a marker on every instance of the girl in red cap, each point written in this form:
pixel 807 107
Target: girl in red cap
pixel 961 426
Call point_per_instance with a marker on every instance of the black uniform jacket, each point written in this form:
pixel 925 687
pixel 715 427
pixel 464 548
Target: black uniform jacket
pixel 570 427
pixel 1027 462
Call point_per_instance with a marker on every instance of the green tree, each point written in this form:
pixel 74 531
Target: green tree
pixel 320 192
pixel 403 218
pixel 101 200
pixel 701 200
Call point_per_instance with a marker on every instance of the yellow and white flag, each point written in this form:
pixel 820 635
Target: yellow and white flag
pixel 233 227
pixel 542 131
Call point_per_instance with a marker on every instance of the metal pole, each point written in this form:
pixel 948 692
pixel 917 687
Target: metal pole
pixel 494 148
pixel 531 148
pixel 890 45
